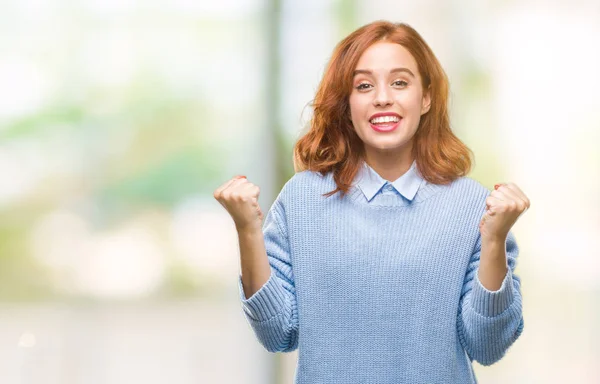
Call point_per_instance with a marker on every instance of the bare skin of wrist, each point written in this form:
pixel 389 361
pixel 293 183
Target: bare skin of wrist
pixel 492 263
pixel 254 261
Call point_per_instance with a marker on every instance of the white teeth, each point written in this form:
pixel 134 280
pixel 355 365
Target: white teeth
pixel 385 119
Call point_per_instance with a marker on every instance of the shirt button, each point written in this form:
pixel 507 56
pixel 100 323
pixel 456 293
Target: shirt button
pixel 389 187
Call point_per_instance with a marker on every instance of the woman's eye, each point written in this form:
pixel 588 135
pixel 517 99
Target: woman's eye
pixel 363 86
pixel 400 83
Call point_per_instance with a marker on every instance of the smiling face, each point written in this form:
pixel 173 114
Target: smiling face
pixel 387 99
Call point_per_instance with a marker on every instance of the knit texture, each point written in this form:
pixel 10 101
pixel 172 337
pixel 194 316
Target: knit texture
pixel 384 291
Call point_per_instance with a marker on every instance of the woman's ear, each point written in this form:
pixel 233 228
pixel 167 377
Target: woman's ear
pixel 426 101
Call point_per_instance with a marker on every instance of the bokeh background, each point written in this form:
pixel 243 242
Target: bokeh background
pixel 119 118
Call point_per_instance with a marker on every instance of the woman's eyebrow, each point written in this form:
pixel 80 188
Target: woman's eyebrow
pixel 395 70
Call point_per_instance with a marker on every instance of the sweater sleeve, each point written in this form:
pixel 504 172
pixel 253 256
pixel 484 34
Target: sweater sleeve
pixel 272 311
pixel 489 322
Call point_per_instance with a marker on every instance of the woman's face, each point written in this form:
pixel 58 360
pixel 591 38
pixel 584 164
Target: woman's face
pixel 387 98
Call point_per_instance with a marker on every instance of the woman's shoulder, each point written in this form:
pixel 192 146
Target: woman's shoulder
pixel 470 189
pixel 462 189
pixel 469 185
pixel 305 187
pixel 306 181
pixel 308 176
pixel 466 189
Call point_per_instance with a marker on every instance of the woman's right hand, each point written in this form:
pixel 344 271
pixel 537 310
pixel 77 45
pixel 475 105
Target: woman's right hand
pixel 240 199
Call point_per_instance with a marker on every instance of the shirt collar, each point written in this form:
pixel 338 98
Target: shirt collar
pixel 370 183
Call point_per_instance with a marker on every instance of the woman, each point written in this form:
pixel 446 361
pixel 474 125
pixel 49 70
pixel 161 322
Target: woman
pixel 379 259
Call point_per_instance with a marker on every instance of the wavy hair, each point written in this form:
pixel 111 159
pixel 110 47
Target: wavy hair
pixel 331 143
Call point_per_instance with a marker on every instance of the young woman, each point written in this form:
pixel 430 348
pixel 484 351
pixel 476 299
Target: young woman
pixel 380 260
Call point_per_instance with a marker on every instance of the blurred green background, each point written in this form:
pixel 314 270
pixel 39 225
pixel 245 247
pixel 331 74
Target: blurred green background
pixel 118 119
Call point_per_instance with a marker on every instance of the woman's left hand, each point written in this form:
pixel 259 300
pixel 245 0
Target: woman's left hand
pixel 504 206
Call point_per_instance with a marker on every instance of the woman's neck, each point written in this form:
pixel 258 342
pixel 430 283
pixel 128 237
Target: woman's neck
pixel 390 165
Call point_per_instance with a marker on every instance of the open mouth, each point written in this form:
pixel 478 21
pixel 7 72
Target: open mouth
pixel 385 123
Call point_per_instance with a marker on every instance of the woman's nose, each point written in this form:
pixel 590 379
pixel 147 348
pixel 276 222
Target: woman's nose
pixel 382 97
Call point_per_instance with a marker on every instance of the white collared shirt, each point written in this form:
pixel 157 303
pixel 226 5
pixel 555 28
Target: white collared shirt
pixel 370 183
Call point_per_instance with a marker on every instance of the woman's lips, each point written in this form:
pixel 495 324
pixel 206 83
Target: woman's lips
pixel 388 127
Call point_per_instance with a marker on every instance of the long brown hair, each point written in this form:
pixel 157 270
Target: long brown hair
pixel 331 144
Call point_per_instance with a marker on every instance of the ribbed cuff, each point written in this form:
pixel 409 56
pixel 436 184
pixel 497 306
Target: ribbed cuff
pixel 265 303
pixel 492 303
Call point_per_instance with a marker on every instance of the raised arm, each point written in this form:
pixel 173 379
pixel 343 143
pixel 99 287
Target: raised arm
pixel 266 283
pixel 489 322
pixel 490 315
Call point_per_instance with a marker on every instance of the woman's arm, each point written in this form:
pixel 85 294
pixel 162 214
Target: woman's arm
pixel 492 267
pixel 489 322
pixel 490 315
pixel 240 198
pixel 271 310
pixel 266 282
pixel 254 261
pixel 504 206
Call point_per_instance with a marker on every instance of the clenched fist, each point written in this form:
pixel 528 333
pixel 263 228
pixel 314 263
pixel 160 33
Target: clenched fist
pixel 504 206
pixel 240 199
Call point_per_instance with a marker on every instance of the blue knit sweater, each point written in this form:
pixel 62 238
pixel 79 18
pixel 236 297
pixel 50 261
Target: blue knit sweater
pixel 383 290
